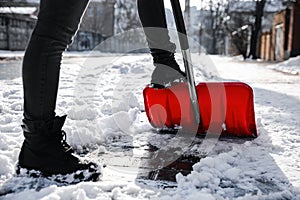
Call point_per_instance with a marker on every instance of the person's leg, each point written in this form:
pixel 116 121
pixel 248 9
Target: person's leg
pixel 44 147
pixel 153 18
pixel 57 23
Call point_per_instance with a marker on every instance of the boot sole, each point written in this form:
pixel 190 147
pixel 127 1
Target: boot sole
pixel 65 179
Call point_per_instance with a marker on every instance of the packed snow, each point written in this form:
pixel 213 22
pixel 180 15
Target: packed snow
pixel 102 96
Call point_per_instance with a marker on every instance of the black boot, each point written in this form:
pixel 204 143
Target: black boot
pixel 167 71
pixel 45 150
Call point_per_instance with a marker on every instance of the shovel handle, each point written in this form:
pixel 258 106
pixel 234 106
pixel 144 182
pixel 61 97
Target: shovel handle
pixel 184 46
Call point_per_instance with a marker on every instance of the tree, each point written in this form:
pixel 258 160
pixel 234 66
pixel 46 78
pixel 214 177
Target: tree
pixel 237 27
pixel 217 14
pixel 245 22
pixel 187 14
pixel 126 15
pixel 256 28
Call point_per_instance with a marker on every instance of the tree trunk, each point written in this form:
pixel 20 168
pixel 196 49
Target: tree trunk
pixel 187 15
pixel 259 11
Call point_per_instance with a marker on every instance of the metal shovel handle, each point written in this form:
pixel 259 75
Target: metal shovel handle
pixel 184 46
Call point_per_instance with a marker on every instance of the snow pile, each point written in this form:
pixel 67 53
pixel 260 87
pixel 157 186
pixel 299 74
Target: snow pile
pixel 103 104
pixel 242 171
pixel 291 66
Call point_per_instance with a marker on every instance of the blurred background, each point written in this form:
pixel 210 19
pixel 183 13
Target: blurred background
pixel 264 29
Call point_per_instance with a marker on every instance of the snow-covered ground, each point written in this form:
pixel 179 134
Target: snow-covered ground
pixel 103 99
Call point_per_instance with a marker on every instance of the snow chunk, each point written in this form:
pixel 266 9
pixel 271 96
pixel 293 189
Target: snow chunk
pixel 79 194
pixel 6 165
pixel 87 132
pixel 18 106
pixel 83 112
pixel 232 174
pixel 125 102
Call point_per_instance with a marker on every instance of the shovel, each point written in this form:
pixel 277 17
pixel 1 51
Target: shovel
pixel 219 108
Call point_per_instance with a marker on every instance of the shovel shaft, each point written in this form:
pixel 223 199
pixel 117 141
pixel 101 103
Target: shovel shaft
pixel 184 46
pixel 191 84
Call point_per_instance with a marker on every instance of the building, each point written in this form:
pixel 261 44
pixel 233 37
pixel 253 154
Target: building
pixel 97 25
pixel 282 40
pixel 18 17
pixel 293 45
pixel 241 18
pixel 16 25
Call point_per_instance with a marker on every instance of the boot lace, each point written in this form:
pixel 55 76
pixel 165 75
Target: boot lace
pixel 65 145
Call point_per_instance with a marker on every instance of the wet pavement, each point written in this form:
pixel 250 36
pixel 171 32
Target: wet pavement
pixel 184 165
pixel 146 160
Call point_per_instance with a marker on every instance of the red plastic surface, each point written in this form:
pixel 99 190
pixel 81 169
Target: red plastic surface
pixel 225 108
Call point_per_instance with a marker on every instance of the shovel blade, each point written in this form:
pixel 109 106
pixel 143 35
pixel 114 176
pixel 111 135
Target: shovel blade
pixel 226 108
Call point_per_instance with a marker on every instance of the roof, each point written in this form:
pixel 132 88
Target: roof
pixel 33 1
pixel 18 10
pixel 249 6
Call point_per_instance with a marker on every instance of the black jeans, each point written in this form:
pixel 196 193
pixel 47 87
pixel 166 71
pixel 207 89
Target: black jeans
pixel 58 21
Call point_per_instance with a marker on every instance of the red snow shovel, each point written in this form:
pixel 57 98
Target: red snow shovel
pixel 224 108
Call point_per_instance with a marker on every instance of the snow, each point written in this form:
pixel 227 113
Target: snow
pixel 10 54
pixel 102 96
pixel 291 66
